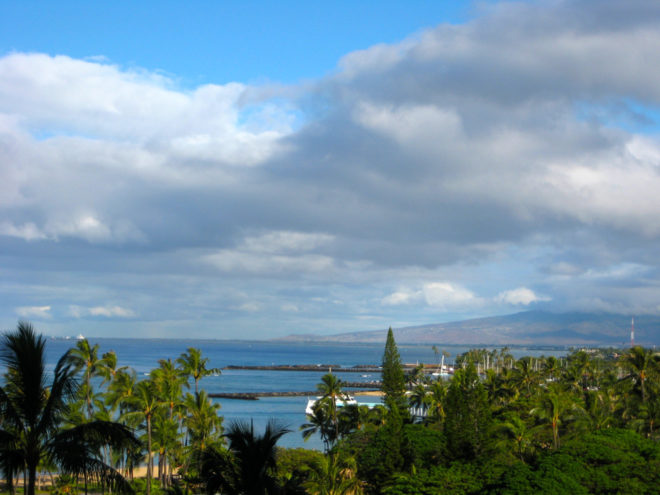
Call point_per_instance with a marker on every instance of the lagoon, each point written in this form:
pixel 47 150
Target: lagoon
pixel 143 355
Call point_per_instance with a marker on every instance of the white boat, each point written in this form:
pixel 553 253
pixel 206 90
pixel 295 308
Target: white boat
pixel 80 337
pixel 350 401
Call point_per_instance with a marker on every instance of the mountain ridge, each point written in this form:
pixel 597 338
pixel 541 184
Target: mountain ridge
pixel 523 328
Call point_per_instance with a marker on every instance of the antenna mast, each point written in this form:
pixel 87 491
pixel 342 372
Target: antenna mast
pixel 632 332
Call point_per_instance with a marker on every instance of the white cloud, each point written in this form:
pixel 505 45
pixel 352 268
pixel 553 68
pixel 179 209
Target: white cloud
pixel 289 308
pixel 286 241
pixel 236 261
pixel 28 231
pixel 85 226
pixel 88 98
pixel 425 126
pixel 520 296
pixel 34 312
pixel 443 295
pixel 461 157
pixel 104 311
pixel 274 253
pixel 248 307
pixel 400 297
pixel 446 295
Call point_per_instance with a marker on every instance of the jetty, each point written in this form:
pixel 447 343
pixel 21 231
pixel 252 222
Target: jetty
pixel 365 388
pixel 329 368
pixel 321 368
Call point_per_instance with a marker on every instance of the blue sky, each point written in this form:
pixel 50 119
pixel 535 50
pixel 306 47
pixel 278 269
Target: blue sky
pixel 201 42
pixel 255 169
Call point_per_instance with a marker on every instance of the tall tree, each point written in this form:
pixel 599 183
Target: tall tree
pixel 144 403
pixel 393 382
pixel 468 415
pixel 319 422
pixel 251 467
pixel 640 364
pixel 86 359
pixel 193 365
pixel 32 414
pixel 556 407
pixel 331 390
pixel 333 475
pixel 202 420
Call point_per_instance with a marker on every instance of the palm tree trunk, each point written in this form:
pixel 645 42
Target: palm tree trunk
pixel 159 474
pixel 148 454
pixel 555 434
pixel 10 483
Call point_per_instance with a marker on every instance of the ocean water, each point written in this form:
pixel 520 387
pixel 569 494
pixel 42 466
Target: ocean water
pixel 143 355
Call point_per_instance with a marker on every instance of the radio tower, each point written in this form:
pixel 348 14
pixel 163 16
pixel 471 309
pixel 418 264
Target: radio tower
pixel 632 332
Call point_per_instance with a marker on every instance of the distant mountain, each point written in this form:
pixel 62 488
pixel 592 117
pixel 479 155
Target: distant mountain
pixel 526 328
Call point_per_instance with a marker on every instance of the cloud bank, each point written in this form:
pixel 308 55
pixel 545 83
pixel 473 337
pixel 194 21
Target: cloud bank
pixel 507 163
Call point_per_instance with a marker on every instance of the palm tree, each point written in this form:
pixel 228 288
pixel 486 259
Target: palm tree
pixel 550 368
pixel 640 364
pixel 32 414
pixel 554 408
pixel 352 417
pixel 250 467
pixel 418 400
pixel 319 422
pixel 169 381
pixel 579 372
pixel 86 358
pixel 331 391
pixel 120 389
pixel 601 406
pixel 256 454
pixel 192 364
pixel 165 436
pixel 416 376
pixel 333 475
pixel 436 400
pixel 144 403
pixel 516 429
pixel 202 420
pixel 524 375
pixel 110 360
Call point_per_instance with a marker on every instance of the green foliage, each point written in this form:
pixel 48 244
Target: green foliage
pixel 393 382
pixel 250 466
pixel 612 457
pixel 32 414
pixel 293 467
pixel 192 365
pixel 377 453
pixel 425 447
pixel 522 479
pixel 468 415
pixel 139 485
pixel 457 479
pixel 496 434
pixel 65 484
pixel 333 475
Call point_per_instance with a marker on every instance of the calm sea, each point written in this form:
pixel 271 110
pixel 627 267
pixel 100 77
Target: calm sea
pixel 143 355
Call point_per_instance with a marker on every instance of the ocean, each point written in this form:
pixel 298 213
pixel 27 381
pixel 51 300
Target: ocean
pixel 143 355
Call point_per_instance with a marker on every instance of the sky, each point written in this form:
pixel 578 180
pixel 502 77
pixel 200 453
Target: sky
pixel 249 170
